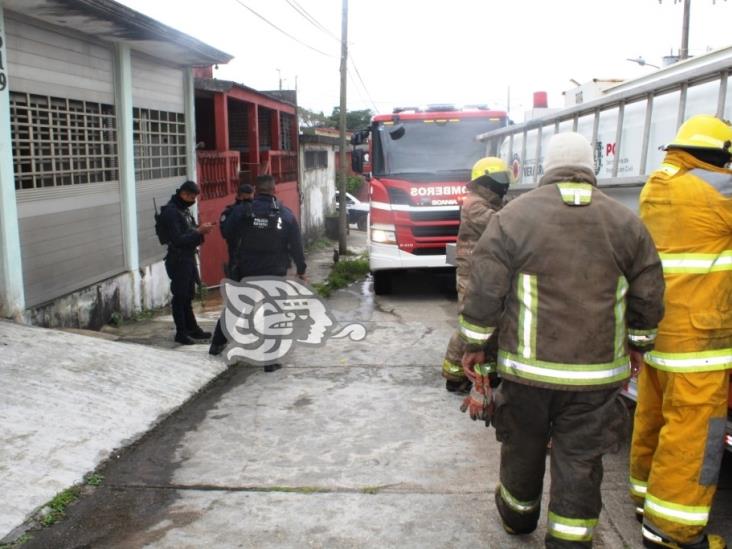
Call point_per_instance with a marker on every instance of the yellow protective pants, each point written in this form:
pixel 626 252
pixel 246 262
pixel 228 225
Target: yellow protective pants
pixel 677 448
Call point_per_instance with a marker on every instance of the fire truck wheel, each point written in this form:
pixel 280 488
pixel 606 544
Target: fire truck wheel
pixel 382 282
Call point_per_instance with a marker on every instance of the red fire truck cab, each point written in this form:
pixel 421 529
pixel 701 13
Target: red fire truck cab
pixel 419 162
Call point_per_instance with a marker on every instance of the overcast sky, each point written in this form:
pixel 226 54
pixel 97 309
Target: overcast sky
pixel 412 52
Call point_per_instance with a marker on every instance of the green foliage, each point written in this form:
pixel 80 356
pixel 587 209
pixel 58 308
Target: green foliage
pixel 116 319
pixel 354 184
pixel 355 120
pixel 342 274
pixel 58 506
pixel 319 245
pixel 17 543
pixel 94 479
pixel 312 119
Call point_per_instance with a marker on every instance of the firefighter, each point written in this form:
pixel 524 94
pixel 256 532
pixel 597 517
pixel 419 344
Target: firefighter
pixel 489 182
pixel 678 436
pixel 570 279
pixel 183 238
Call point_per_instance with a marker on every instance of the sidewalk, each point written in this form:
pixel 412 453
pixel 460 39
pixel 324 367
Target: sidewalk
pixel 71 399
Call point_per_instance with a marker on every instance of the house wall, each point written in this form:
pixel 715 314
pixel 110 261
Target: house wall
pixel 67 188
pixel 318 191
pixel 65 134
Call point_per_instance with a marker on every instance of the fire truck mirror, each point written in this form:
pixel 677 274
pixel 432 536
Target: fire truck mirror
pixel 360 137
pixel 397 132
pixel 358 158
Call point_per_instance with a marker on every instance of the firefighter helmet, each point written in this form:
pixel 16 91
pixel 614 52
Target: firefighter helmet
pixel 704 131
pixel 494 168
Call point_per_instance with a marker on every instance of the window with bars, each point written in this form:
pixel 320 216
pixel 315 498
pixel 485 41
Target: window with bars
pixel 160 143
pixel 315 160
pixel 286 123
pixel 59 141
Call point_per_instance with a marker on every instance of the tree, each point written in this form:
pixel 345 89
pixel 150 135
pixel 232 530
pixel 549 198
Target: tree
pixel 312 119
pixel 355 120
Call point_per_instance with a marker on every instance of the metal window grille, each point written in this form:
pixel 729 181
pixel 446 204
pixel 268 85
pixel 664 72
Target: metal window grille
pixel 315 160
pixel 286 123
pixel 59 141
pixel 160 143
pixel 264 118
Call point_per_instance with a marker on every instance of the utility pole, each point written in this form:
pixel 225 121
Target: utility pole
pixel 343 217
pixel 684 51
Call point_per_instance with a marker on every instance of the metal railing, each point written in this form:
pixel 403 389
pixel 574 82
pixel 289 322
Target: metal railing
pixel 218 173
pixel 667 92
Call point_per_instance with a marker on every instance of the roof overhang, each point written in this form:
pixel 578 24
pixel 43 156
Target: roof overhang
pixel 110 21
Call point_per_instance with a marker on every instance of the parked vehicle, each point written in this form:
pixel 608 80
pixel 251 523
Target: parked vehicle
pixel 357 211
pixel 627 126
pixel 420 161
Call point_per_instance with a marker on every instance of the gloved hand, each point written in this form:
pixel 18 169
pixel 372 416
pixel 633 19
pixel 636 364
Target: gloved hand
pixel 479 402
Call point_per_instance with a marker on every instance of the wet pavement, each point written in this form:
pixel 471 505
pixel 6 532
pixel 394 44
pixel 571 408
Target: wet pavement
pixel 354 444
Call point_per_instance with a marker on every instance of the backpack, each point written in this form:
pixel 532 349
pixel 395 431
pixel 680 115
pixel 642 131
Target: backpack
pixel 160 229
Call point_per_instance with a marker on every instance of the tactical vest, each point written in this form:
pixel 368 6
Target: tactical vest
pixel 262 233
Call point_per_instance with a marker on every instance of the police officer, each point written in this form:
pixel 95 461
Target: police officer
pixel 268 238
pixel 244 193
pixel 183 237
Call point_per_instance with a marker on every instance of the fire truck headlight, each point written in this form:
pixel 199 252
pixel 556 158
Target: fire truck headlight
pixel 383 234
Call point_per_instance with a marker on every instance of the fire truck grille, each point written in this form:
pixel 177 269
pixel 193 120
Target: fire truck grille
pixel 439 230
pixel 435 216
pixel 429 251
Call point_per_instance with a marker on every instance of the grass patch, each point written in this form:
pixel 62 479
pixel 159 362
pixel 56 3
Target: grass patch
pixel 58 506
pixel 17 543
pixel 371 489
pixel 320 244
pixel 95 479
pixel 342 274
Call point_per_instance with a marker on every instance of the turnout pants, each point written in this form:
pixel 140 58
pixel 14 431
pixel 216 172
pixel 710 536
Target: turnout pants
pixel 183 276
pixel 452 367
pixel 583 425
pixel 677 448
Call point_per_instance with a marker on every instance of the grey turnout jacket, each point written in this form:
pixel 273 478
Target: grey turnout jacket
pixel 479 204
pixel 570 278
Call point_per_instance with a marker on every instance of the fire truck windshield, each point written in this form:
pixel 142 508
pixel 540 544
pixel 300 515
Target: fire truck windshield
pixel 428 149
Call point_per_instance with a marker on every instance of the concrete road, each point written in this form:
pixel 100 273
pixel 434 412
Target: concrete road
pixel 355 444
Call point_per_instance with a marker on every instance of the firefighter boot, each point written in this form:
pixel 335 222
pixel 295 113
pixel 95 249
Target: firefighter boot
pixel 652 538
pixel 514 521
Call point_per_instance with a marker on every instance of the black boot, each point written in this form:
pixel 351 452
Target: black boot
pixel 198 333
pixel 216 348
pixel 272 367
pixel 184 339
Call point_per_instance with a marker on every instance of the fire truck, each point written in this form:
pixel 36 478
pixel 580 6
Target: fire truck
pixel 417 162
pixel 628 125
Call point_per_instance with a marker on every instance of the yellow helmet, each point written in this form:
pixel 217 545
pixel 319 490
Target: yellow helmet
pixel 704 131
pixel 493 167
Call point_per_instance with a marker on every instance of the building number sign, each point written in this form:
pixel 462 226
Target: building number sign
pixel 3 76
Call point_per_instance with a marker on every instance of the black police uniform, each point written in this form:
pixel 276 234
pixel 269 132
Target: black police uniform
pixel 180 264
pixel 230 235
pixel 268 236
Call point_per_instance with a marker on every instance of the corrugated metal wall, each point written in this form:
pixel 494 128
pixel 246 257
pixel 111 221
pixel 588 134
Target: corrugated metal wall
pixel 70 227
pixel 156 89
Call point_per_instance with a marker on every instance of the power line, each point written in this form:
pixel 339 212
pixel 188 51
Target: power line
pixel 355 68
pixel 243 5
pixel 310 19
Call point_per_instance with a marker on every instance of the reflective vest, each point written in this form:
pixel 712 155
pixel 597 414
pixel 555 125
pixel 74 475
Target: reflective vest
pixel 687 207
